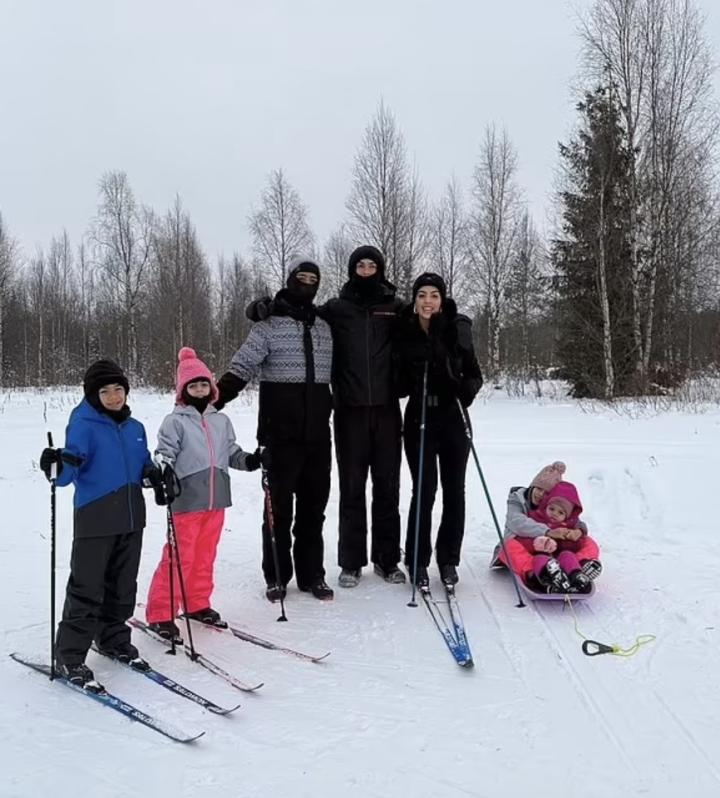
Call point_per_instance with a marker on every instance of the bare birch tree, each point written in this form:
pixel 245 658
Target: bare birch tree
pixel 122 233
pixel 335 261
pixel 280 229
pixel 448 246
pixel 493 231
pixel 8 265
pixel 378 197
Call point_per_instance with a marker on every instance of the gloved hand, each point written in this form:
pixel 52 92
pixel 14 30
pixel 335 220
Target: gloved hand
pixel 58 457
pixel 466 392
pixel 260 457
pixel 544 544
pixel 152 476
pixel 259 309
pixel 48 458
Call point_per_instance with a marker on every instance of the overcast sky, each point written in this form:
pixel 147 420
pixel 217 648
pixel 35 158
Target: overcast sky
pixel 205 98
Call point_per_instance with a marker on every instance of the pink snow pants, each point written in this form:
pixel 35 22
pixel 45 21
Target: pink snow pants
pixel 197 534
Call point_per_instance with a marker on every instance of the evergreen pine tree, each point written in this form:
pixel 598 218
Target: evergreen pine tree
pixel 592 257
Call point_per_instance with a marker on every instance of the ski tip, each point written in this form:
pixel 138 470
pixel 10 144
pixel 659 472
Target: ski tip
pixel 190 739
pixel 322 657
pixel 223 711
pixel 468 664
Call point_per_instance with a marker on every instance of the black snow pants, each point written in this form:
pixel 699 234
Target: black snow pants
pixel 446 446
pixel 369 439
pixel 100 594
pixel 299 474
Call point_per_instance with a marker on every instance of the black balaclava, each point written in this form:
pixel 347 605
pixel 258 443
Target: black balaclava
pixel 304 293
pixel 366 285
pixel 99 374
pixel 200 403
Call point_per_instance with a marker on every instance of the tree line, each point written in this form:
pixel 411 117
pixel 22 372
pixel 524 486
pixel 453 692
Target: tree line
pixel 619 297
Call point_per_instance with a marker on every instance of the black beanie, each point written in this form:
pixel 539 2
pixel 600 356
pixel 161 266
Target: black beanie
pixel 431 279
pixel 366 253
pixel 101 373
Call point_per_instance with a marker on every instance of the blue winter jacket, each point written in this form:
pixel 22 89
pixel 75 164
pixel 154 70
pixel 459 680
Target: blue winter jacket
pixel 108 483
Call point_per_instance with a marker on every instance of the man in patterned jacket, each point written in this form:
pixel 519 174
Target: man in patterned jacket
pixel 291 353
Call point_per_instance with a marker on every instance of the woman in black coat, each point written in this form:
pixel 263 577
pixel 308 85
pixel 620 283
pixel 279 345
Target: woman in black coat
pixel 431 333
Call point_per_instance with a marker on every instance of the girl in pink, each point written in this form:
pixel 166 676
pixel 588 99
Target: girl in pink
pixel 199 443
pixel 559 510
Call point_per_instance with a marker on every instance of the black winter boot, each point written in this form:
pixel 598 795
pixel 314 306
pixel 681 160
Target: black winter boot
pixel 591 568
pixel 321 590
pixel 580 582
pixel 167 630
pixel 80 675
pixel 208 616
pixel 553 577
pixel 449 575
pixel 275 592
pixel 421 578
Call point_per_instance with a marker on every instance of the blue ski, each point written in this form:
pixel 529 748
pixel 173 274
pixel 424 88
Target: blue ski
pixel 113 702
pixel 458 624
pixel 460 654
pixel 174 687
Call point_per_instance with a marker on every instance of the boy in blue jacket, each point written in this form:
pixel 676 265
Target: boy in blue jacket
pixel 107 459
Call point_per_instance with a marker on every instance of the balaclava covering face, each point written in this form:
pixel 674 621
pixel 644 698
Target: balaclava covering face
pixel 303 292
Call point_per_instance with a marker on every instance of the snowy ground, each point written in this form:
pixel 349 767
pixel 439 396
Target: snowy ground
pixel 389 713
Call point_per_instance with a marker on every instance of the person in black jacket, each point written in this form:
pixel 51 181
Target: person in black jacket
pixel 368 424
pixel 431 334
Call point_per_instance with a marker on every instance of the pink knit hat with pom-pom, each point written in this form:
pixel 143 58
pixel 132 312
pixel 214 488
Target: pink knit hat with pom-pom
pixel 549 476
pixel 191 368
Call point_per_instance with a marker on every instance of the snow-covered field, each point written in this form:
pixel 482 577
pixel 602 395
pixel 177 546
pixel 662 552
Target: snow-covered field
pixel 389 713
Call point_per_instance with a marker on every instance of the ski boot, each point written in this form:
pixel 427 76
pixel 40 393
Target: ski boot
pixel 448 575
pixel 320 589
pixel 422 580
pixel 553 577
pixel 580 582
pixel 393 574
pixel 274 592
pixel 208 616
pixel 167 630
pixel 125 653
pixel 79 675
pixel 591 568
pixel 349 577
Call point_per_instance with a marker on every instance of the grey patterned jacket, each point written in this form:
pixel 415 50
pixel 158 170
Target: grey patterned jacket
pixel 291 352
pixel 200 448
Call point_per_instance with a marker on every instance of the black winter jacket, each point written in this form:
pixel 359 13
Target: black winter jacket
pixel 453 369
pixel 362 328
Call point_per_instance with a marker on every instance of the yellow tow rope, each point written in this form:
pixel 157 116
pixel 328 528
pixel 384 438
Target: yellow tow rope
pixel 592 648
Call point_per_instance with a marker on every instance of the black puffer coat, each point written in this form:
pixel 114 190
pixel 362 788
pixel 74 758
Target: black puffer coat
pixel 453 369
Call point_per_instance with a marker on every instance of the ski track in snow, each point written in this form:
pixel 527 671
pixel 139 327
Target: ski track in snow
pixel 389 713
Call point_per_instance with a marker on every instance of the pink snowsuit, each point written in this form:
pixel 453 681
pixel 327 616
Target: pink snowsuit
pixel 566 552
pixel 201 448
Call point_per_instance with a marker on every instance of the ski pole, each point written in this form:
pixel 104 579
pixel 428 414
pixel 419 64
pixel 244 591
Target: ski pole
pixel 53 477
pixel 468 433
pixel 418 498
pixel 271 531
pixel 169 474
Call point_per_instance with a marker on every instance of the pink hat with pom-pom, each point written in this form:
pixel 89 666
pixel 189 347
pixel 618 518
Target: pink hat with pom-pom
pixel 549 476
pixel 191 368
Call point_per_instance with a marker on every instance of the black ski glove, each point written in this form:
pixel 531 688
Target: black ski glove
pixel 259 309
pixel 260 457
pixel 59 457
pixel 152 476
pixel 229 386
